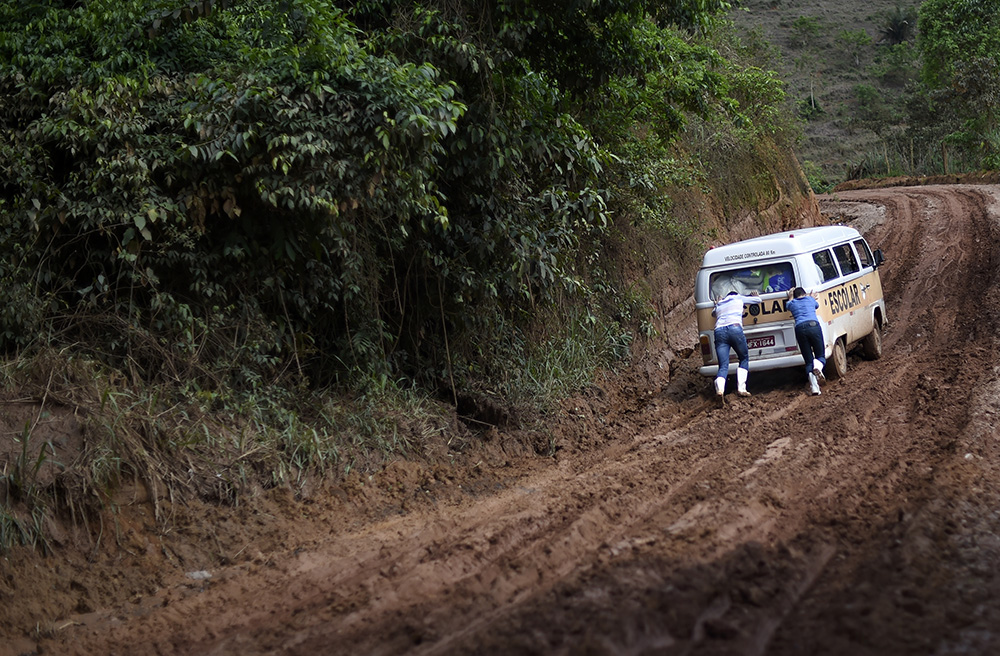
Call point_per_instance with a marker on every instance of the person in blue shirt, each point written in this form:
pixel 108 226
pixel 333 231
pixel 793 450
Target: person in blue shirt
pixel 777 279
pixel 808 334
pixel 728 315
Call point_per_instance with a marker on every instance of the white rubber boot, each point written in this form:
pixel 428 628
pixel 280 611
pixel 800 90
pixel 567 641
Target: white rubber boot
pixel 818 370
pixel 720 386
pixel 813 385
pixel 741 381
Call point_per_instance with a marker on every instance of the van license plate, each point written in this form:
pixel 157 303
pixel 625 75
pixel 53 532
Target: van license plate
pixel 760 342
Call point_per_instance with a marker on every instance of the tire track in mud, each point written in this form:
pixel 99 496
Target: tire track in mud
pixel 504 558
pixel 766 526
pixel 887 595
pixel 531 557
pixel 916 421
pixel 498 557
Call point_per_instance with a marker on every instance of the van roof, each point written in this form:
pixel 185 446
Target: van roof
pixel 780 244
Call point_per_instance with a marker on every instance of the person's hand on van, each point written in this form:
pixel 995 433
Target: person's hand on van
pixel 791 292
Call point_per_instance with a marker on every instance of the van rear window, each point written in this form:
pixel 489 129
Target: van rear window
pixel 777 277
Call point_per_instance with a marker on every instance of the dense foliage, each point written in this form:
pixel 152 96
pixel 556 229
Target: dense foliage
pixel 226 194
pixel 960 44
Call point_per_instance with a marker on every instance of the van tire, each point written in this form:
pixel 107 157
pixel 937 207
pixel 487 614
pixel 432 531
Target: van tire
pixel 837 366
pixel 871 345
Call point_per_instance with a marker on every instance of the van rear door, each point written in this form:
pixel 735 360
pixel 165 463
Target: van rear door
pixel 768 326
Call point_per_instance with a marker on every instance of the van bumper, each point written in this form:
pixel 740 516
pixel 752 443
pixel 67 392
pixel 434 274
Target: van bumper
pixel 780 362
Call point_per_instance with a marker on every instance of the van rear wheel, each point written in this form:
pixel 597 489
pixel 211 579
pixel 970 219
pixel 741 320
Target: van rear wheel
pixel 871 345
pixel 837 366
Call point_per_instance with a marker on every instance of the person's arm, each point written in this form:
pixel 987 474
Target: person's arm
pixel 753 298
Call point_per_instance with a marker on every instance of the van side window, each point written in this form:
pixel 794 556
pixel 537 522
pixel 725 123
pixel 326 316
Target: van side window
pixel 845 257
pixel 864 253
pixel 825 263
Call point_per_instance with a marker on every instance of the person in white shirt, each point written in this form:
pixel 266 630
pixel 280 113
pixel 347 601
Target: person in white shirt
pixel 728 314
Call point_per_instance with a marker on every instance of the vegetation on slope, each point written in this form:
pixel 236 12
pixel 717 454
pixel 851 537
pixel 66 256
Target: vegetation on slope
pixel 269 234
pixel 884 88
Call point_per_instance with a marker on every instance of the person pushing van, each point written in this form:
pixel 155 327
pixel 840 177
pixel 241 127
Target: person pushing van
pixel 728 315
pixel 808 334
pixel 834 261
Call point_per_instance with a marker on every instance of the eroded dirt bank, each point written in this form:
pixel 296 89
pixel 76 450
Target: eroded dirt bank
pixel 862 521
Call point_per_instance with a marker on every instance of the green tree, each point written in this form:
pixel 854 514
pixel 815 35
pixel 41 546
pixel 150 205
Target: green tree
pixel 898 25
pixel 804 30
pixel 955 31
pixel 871 112
pixel 960 44
pixel 854 43
pixel 215 186
pixel 897 65
pixel 228 192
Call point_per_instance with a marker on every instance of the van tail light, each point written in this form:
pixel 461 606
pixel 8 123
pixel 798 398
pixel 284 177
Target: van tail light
pixel 706 349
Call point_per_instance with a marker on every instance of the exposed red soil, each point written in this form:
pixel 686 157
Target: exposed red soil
pixel 862 521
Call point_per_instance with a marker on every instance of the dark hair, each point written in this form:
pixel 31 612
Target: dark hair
pixel 732 293
pixel 799 292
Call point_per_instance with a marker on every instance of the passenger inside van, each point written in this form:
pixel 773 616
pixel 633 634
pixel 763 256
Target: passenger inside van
pixel 777 278
pixel 770 278
pixel 845 257
pixel 824 261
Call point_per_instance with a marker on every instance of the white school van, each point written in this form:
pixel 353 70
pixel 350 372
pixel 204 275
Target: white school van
pixel 835 262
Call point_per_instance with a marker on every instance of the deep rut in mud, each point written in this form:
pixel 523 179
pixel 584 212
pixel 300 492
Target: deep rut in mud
pixel 862 521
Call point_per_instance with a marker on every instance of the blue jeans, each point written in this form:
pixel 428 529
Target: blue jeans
pixel 728 337
pixel 809 335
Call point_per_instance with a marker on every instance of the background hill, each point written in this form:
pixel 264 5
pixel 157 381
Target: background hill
pixel 847 80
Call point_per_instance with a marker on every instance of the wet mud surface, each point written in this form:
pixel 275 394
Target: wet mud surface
pixel 862 521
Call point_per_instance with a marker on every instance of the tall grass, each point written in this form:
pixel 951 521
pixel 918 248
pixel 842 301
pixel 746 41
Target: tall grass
pixel 23 490
pixel 15 531
pixel 901 156
pixel 538 373
pixel 179 442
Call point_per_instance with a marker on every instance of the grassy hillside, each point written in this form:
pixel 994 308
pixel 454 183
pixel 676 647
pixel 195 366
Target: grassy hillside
pixel 845 80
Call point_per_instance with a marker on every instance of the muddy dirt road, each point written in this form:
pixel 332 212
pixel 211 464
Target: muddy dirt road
pixel 862 521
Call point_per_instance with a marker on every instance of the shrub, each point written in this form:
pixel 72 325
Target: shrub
pixel 898 25
pixel 804 30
